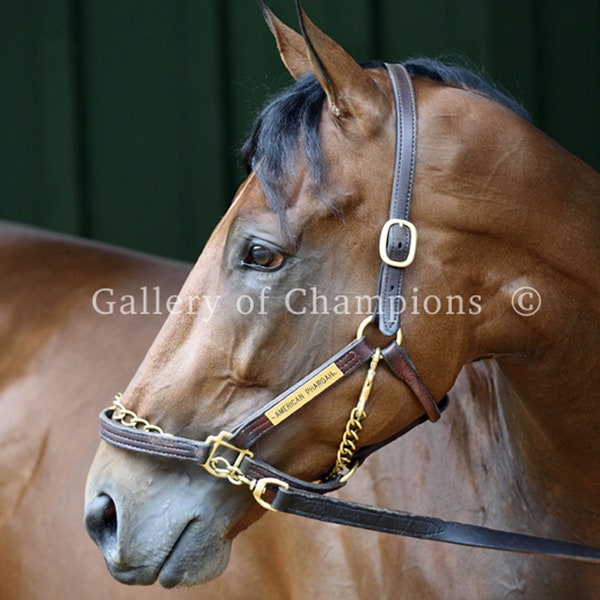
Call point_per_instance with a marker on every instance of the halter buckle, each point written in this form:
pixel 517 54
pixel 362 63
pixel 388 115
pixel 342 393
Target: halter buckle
pixel 222 467
pixel 383 242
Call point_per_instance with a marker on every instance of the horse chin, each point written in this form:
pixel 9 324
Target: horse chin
pixel 198 558
pixel 194 558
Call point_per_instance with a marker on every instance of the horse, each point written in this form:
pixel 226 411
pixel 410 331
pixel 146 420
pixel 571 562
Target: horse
pixel 500 306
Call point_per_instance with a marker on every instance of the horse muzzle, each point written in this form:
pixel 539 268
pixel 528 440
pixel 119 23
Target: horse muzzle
pixel 150 533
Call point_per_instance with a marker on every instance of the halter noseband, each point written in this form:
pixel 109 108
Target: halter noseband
pixel 229 455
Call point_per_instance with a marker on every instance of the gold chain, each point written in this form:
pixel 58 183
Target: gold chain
pixel 130 419
pixel 347 447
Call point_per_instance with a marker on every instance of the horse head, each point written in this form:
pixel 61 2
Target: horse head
pixel 287 277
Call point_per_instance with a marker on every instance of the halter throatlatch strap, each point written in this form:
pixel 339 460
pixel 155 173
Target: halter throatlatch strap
pixel 398 238
pixel 403 368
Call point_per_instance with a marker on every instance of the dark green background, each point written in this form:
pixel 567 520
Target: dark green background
pixel 121 119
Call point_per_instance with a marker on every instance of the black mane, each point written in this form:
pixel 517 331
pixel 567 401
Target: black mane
pixel 289 123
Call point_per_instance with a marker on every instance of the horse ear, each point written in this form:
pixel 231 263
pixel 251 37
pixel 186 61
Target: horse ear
pixel 290 44
pixel 350 89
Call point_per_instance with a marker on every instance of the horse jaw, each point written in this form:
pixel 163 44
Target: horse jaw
pixel 165 531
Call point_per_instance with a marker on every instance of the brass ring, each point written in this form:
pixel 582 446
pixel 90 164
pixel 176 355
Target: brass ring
pixel 364 324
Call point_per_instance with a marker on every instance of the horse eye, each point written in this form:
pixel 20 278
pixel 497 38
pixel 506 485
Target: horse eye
pixel 263 257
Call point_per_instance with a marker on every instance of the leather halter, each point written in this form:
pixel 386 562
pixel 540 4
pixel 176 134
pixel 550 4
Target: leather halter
pixel 229 455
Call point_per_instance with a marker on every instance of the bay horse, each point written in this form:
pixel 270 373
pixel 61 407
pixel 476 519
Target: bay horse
pixel 501 302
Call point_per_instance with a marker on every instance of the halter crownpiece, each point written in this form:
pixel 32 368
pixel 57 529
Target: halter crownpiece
pixel 398 238
pixel 229 455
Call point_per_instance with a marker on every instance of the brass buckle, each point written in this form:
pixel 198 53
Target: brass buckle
pixel 221 467
pixel 383 240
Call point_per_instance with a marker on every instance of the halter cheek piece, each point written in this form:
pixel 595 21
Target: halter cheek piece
pixel 229 455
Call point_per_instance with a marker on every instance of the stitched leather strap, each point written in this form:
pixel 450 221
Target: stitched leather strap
pixel 403 368
pixel 179 448
pixel 398 239
pixel 164 446
pixel 347 360
pixel 332 510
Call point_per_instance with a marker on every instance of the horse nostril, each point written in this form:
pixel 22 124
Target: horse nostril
pixel 110 518
pixel 101 519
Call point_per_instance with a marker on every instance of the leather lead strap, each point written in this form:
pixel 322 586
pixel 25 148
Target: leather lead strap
pixel 332 510
pixel 398 238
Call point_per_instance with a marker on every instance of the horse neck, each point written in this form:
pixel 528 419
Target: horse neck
pixel 524 212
